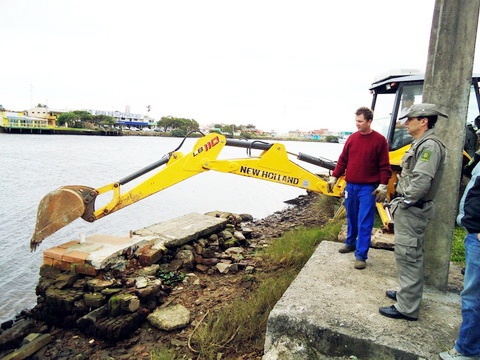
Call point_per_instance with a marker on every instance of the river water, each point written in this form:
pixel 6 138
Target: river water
pixel 33 165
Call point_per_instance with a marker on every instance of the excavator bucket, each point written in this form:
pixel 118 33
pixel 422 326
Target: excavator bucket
pixel 58 209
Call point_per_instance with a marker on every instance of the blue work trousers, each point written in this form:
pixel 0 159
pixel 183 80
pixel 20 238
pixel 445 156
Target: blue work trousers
pixel 468 342
pixel 360 206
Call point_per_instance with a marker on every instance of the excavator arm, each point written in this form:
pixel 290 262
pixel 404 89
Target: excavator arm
pixel 64 205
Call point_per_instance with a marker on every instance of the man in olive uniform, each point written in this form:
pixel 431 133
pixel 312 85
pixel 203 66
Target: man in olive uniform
pixel 422 169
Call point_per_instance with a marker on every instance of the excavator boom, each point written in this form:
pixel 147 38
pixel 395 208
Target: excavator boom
pixel 67 203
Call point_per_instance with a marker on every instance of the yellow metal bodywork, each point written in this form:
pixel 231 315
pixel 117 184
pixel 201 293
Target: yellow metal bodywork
pixel 271 165
pixel 275 166
pixel 383 211
pixel 397 155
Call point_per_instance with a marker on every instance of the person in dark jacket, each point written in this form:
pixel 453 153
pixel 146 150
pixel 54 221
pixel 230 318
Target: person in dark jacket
pixel 467 345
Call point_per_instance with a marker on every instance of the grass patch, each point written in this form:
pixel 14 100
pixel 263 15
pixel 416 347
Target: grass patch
pixel 295 247
pixel 244 322
pixel 163 354
pixel 458 250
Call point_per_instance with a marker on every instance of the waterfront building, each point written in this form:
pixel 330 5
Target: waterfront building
pixel 127 118
pixel 45 117
pixel 39 117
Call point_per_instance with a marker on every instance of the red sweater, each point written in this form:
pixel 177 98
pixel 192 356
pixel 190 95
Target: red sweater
pixel 364 159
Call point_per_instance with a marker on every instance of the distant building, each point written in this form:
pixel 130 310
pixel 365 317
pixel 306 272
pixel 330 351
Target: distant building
pixel 44 112
pixel 37 117
pixel 12 119
pixel 122 118
pixel 45 117
pixel 127 118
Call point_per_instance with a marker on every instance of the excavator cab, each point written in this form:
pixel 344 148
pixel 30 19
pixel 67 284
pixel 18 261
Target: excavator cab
pixel 393 94
pixel 400 90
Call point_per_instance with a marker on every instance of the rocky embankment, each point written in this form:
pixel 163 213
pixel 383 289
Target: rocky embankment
pixel 127 311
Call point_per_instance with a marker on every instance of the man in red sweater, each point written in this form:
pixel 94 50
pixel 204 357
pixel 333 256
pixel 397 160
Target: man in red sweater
pixel 365 163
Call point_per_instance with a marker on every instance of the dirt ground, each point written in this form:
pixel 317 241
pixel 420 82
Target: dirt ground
pixel 201 293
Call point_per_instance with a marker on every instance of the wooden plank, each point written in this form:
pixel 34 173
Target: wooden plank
pixel 31 348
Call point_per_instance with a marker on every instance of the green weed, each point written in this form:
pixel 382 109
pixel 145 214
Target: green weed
pixel 245 320
pixel 170 277
pixel 295 248
pixel 162 354
pixel 458 251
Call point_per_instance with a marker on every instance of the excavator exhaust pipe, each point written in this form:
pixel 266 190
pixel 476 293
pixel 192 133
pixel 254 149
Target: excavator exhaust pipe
pixel 58 209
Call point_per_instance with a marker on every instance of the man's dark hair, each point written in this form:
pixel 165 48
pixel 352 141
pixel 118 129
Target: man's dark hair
pixel 366 112
pixel 432 120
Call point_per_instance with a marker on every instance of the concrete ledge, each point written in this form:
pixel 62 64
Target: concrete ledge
pixel 331 309
pixel 99 251
pixel 94 253
pixel 181 230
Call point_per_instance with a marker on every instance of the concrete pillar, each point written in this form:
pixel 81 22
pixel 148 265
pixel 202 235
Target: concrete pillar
pixel 447 84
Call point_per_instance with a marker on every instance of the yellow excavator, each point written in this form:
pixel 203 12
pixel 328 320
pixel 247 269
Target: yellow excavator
pixel 66 204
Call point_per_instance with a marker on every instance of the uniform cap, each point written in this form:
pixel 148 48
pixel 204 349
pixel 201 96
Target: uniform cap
pixel 423 110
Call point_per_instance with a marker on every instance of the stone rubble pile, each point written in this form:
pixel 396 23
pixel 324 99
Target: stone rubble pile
pixel 120 298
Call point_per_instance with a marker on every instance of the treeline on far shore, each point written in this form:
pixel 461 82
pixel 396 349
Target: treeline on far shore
pixel 328 139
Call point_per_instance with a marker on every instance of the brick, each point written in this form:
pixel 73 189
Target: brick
pixel 61 265
pixel 47 261
pixel 76 257
pixel 148 256
pixel 54 253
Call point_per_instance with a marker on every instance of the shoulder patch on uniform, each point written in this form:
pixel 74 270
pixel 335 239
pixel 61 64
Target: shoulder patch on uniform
pixel 426 155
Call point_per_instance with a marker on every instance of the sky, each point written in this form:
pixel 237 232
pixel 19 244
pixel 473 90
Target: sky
pixel 279 65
